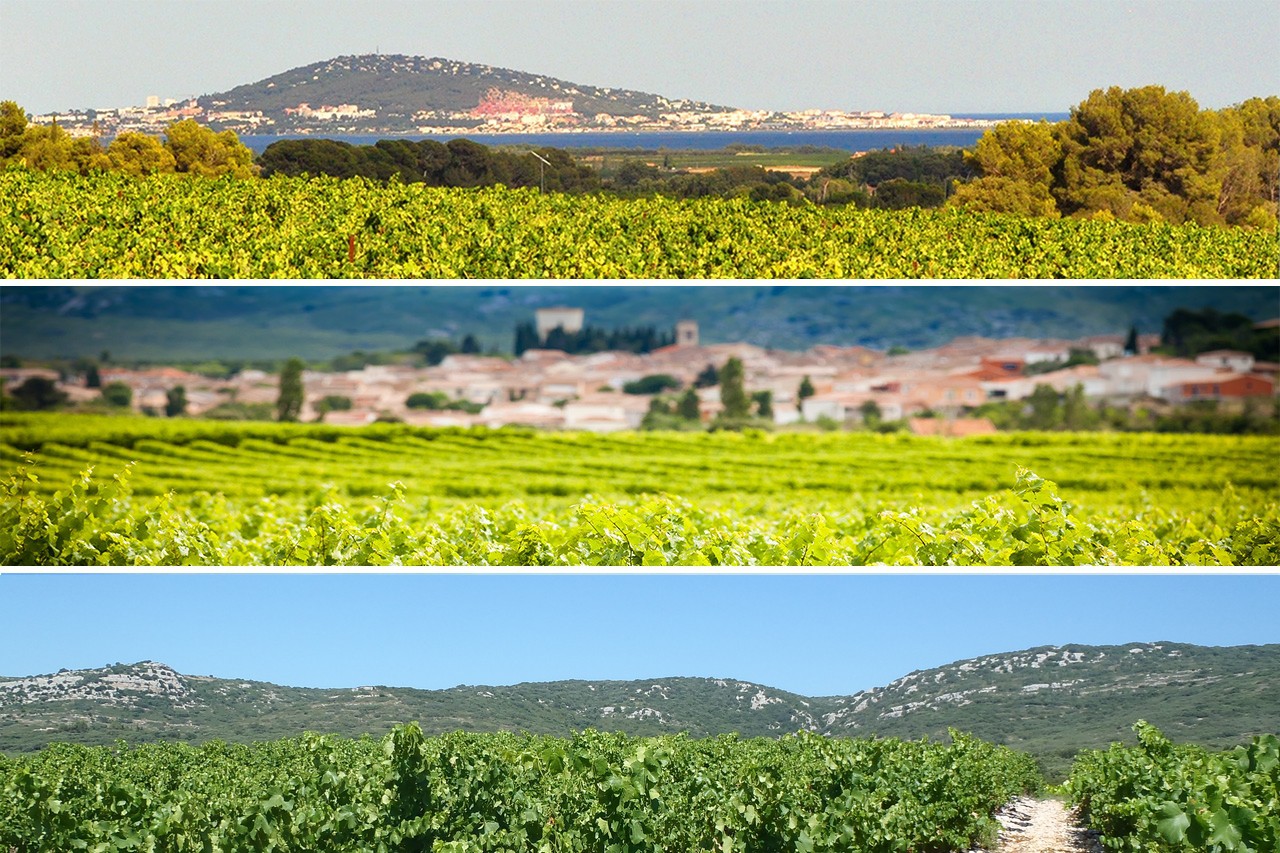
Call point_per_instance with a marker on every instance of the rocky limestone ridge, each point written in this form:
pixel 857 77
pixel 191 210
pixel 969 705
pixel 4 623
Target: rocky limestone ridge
pixel 893 700
pixel 1055 698
pixel 119 685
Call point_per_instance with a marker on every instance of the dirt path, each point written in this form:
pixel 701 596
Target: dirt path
pixel 1042 826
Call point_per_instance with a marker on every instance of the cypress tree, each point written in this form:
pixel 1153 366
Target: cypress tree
pixel 688 408
pixel 732 393
pixel 805 391
pixel 289 403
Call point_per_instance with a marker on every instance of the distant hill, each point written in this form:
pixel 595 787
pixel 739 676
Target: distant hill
pixel 1053 701
pixel 246 321
pixel 399 86
pixel 1050 701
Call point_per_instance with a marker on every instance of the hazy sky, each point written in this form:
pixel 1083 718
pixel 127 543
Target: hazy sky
pixel 907 55
pixel 816 635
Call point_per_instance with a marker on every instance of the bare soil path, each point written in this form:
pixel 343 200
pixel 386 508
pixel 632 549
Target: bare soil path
pixel 1043 826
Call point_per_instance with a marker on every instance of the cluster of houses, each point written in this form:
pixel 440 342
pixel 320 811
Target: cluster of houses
pixel 552 389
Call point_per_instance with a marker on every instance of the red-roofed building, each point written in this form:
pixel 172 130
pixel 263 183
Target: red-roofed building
pixel 1228 386
pixel 996 369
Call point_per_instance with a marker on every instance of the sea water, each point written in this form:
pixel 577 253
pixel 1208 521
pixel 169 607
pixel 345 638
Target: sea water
pixel 700 140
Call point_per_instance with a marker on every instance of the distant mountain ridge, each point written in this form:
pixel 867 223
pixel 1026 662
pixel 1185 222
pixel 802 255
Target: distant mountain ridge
pixel 399 86
pixel 1050 701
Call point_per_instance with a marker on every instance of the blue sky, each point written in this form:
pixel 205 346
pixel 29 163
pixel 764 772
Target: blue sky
pixel 815 635
pixel 905 55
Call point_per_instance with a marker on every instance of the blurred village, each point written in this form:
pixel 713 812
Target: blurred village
pixel 942 390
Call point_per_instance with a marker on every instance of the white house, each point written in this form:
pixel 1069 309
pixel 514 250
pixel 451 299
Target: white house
pixel 1227 359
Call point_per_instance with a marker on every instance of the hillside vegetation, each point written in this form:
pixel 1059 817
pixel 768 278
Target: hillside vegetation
pixel 1050 701
pixel 398 86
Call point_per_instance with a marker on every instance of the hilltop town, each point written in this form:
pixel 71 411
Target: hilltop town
pixel 373 94
pixel 930 390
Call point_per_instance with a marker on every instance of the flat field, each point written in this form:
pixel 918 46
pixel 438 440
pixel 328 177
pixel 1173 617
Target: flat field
pixel 174 492
pixel 63 225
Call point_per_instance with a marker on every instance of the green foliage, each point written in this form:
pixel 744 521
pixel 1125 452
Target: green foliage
pixel 334 403
pixel 175 402
pixel 1141 155
pixel 1027 153
pixel 1000 194
pixel 1161 797
pixel 435 350
pixel 237 411
pixel 427 400
pixel 117 394
pixel 1123 146
pixel 653 384
pixel 1075 357
pixel 188 147
pixel 246 494
pixel 1189 332
pixel 1045 410
pixel 805 391
pixel 198 150
pixel 733 396
pixel 459 163
pixel 60 224
pixel 37 393
pixel 921 164
pixel 13 124
pixel 689 406
pixel 708 377
pixel 439 400
pixel 593 791
pixel 139 154
pixel 898 194
pixel 591 339
pixel 764 404
pixel 292 393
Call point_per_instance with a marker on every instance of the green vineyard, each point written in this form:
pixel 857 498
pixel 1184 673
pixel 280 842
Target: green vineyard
pixel 63 225
pixel 89 490
pixel 1161 797
pixel 607 793
pixel 616 793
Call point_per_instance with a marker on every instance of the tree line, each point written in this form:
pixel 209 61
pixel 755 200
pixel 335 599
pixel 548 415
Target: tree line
pixel 1139 155
pixel 188 147
pixel 589 339
pixel 457 163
